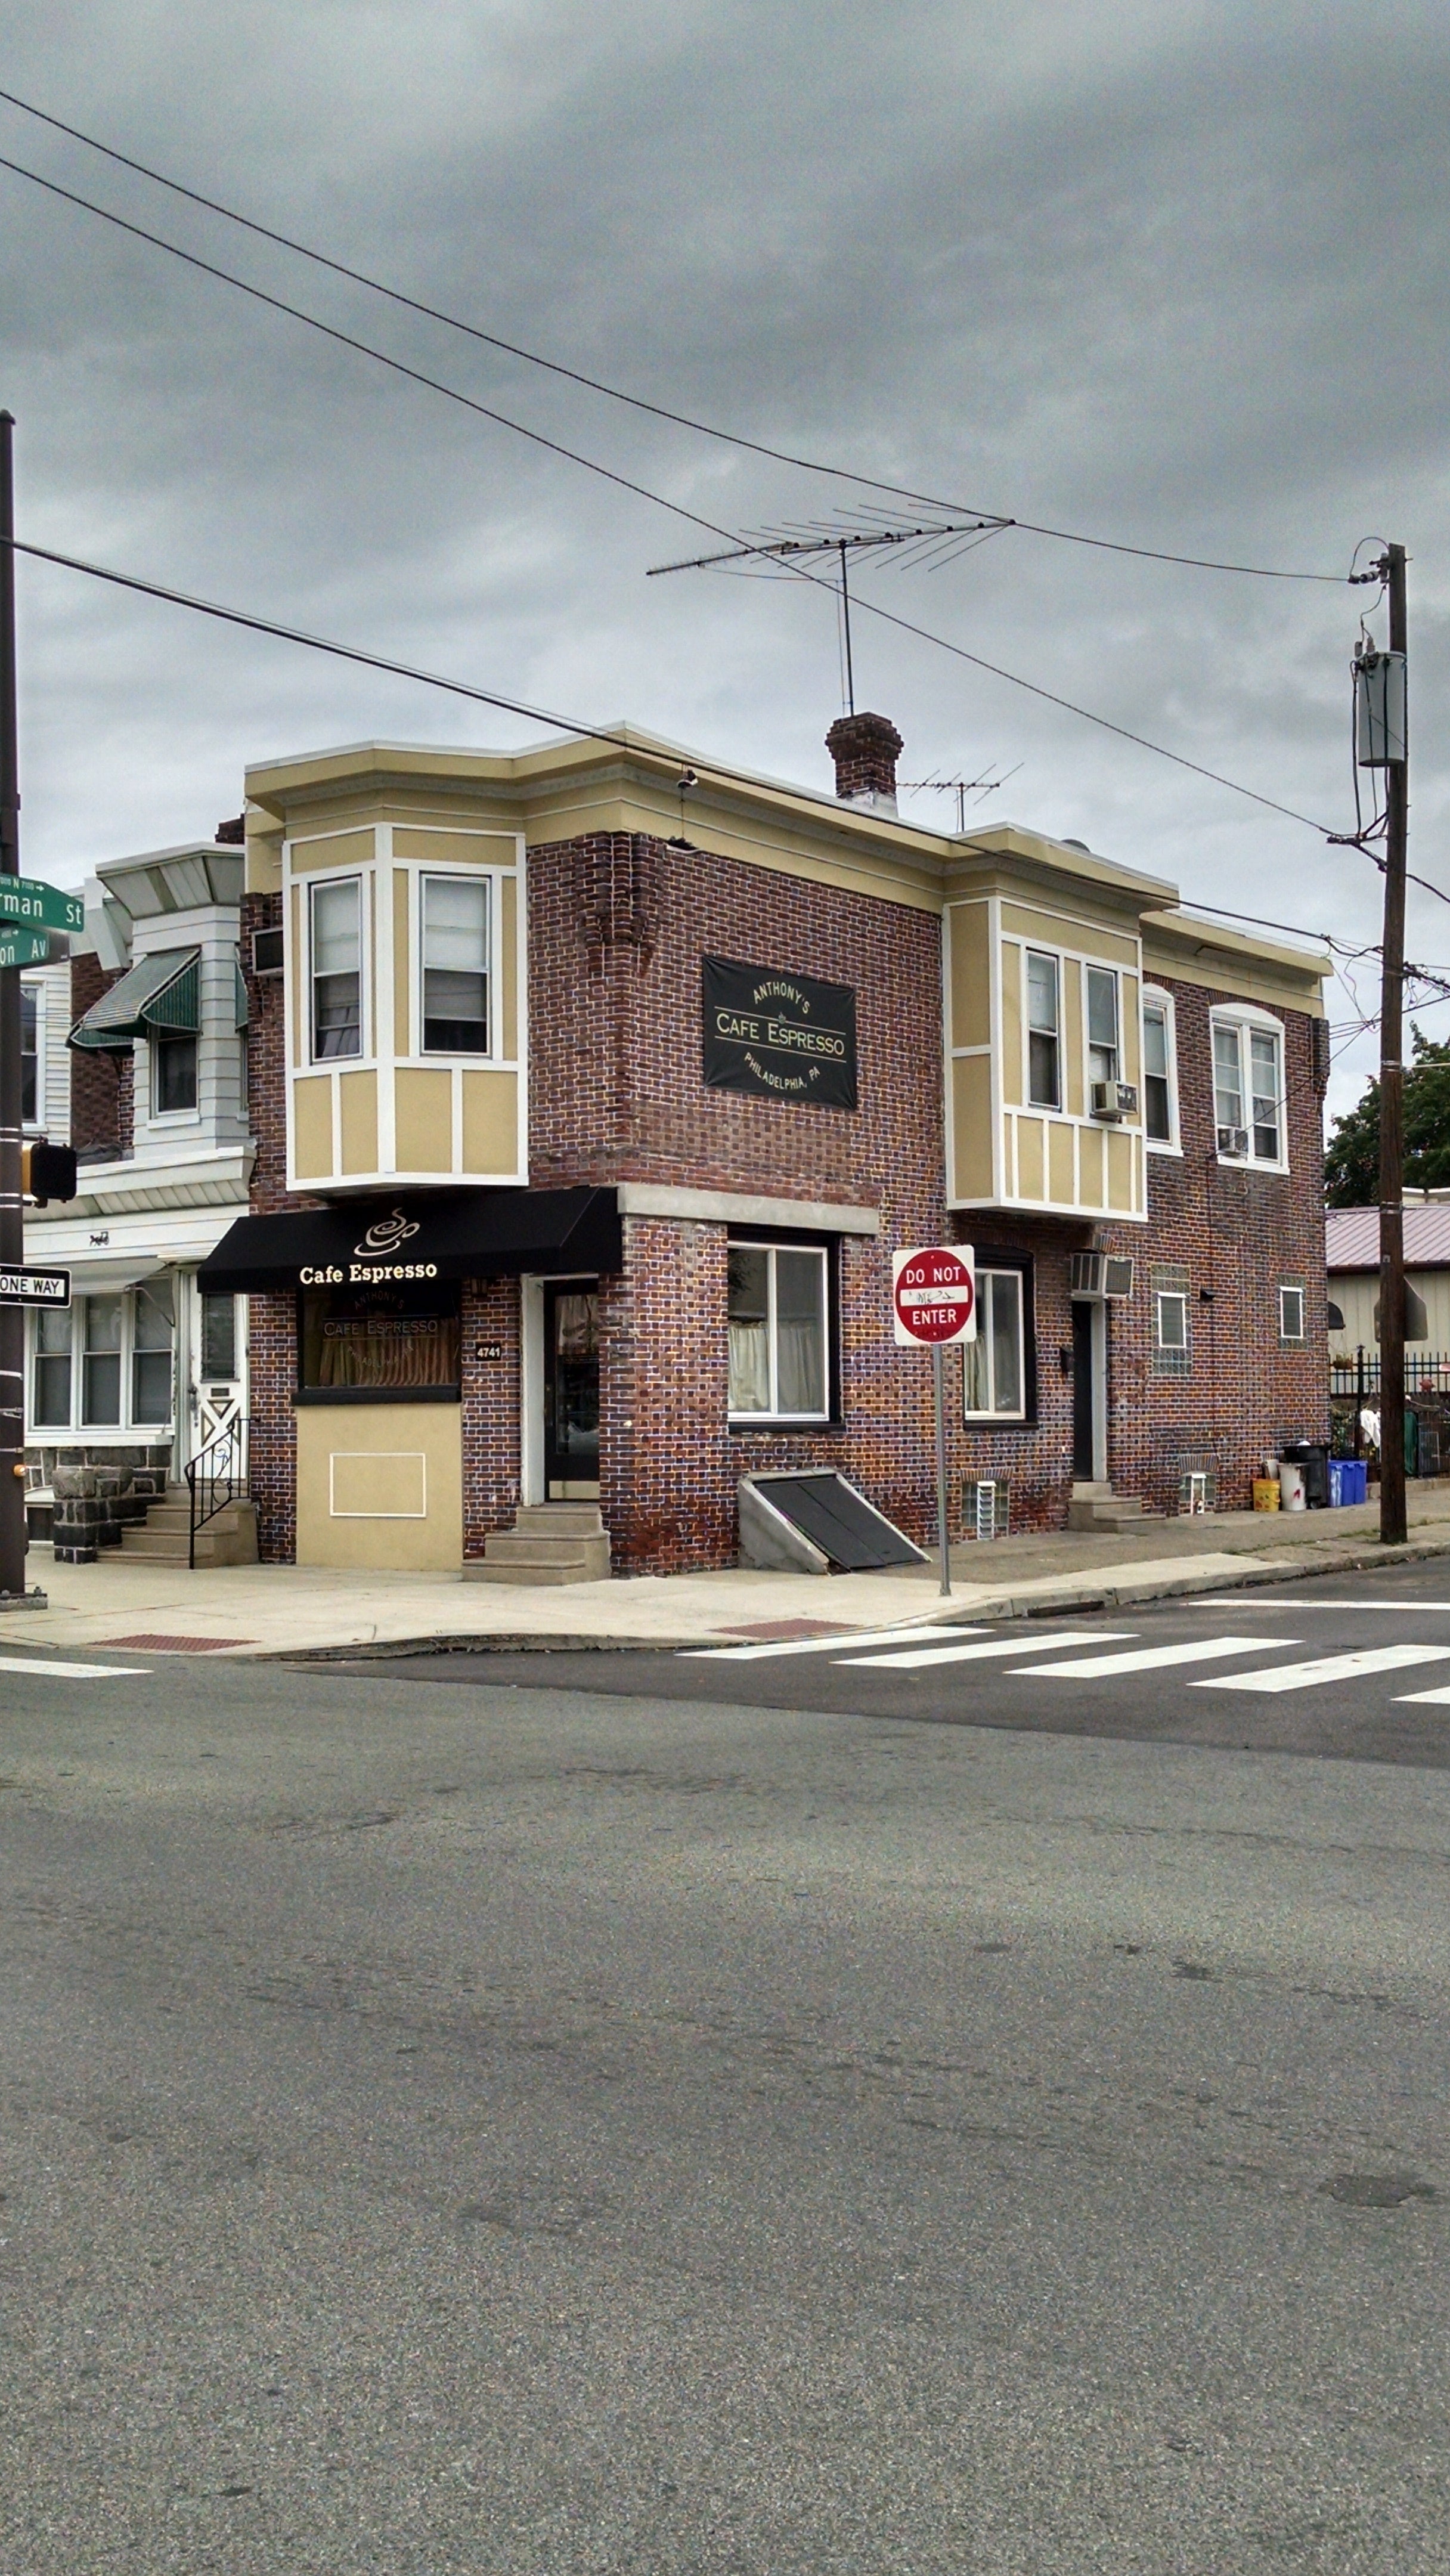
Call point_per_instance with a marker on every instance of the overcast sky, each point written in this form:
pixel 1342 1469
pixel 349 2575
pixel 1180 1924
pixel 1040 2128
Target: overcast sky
pixel 1171 274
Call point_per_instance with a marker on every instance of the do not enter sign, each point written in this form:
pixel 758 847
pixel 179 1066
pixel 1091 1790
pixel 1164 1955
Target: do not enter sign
pixel 934 1296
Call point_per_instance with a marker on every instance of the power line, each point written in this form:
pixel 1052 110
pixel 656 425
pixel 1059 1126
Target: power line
pixel 614 393
pixel 798 571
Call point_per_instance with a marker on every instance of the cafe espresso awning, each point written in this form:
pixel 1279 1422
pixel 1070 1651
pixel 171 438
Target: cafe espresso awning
pixel 160 997
pixel 417 1236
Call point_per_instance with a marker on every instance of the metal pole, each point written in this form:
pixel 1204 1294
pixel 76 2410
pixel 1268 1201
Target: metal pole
pixel 846 614
pixel 12 1226
pixel 1393 1518
pixel 938 1371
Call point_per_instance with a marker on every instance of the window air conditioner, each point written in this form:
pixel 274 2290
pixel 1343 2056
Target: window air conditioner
pixel 266 952
pixel 1114 1099
pixel 1233 1140
pixel 1101 1274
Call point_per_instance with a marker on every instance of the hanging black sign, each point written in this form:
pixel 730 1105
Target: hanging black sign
pixel 785 1036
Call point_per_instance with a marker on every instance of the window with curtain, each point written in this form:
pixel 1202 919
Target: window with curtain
pixel 1044 1080
pixel 372 1341
pixel 994 1373
pixel 337 969
pixel 778 1329
pixel 455 965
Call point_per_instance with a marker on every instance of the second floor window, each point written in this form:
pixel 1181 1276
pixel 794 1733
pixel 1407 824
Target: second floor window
pixel 455 965
pixel 1157 1073
pixel 1044 1081
pixel 173 1075
pixel 1102 1014
pixel 337 969
pixel 29 1055
pixel 1248 1091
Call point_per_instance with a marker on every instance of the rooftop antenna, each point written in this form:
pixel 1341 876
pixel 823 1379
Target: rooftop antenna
pixel 930 542
pixel 961 788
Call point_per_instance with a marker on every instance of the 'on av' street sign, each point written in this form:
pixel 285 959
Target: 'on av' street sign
pixel 23 947
pixel 33 904
pixel 25 1287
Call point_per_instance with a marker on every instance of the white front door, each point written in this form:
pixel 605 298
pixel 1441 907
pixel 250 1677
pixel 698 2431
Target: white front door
pixel 217 1394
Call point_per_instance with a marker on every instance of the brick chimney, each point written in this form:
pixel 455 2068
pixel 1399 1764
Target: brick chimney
pixel 864 749
pixel 233 833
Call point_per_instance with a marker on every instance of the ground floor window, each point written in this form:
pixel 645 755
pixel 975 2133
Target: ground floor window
pixel 1172 1346
pixel 106 1364
pixel 779 1332
pixel 367 1344
pixel 994 1377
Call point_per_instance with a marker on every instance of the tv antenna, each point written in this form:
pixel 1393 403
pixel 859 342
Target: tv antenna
pixel 961 788
pixel 932 543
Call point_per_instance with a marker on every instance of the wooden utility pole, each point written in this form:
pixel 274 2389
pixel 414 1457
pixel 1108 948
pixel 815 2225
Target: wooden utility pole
pixel 12 1223
pixel 1393 1524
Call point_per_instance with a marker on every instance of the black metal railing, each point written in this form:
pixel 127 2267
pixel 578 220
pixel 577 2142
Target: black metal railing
pixel 217 1475
pixel 1354 1385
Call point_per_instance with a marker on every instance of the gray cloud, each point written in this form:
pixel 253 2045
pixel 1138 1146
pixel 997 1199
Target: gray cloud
pixel 1172 273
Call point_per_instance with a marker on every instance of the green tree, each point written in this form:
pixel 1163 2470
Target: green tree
pixel 1352 1158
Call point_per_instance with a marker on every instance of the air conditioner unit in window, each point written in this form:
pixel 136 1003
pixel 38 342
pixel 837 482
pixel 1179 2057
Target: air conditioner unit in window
pixel 266 952
pixel 1101 1274
pixel 1233 1140
pixel 1114 1099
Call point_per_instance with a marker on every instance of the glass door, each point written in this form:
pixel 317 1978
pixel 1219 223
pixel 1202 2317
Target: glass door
pixel 571 1389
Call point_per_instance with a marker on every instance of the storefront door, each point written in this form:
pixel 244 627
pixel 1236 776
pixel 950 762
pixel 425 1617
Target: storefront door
pixel 571 1389
pixel 1089 1390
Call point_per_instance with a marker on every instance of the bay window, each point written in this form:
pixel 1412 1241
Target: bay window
pixel 1044 1078
pixel 455 965
pixel 778 1331
pixel 1102 1019
pixel 337 969
pixel 101 1363
pixel 50 1400
pixel 151 1353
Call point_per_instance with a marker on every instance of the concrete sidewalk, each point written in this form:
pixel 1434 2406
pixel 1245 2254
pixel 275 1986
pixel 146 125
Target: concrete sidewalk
pixel 290 1609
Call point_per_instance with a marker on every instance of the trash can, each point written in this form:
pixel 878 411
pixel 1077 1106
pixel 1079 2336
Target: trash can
pixel 1291 1487
pixel 1346 1480
pixel 1312 1458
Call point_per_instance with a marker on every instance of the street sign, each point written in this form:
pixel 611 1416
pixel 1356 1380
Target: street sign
pixel 34 1287
pixel 934 1295
pixel 40 906
pixel 22 947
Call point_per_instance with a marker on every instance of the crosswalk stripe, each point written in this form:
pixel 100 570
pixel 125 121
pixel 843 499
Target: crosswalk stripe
pixel 1430 1698
pixel 819 1645
pixel 1147 1659
pixel 914 1657
pixel 1325 1668
pixel 1295 1604
pixel 68 1672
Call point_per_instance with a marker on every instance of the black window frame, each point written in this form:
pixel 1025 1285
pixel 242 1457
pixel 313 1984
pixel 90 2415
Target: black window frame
pixel 411 1301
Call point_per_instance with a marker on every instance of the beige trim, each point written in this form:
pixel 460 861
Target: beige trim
pixel 727 1207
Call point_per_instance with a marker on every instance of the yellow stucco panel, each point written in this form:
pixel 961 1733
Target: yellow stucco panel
pixel 1060 930
pixel 312 1127
pixel 424 1120
pixel 1121 1150
pixel 380 1487
pixel 971 1127
pixel 1062 1179
pixel 442 849
pixel 1011 1025
pixel 1031 1176
pixel 1092 1169
pixel 358 1094
pixel 402 966
pixel 490 1122
pixel 332 850
pixel 969 934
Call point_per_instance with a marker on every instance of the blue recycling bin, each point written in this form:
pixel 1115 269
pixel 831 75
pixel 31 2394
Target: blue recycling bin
pixel 1348 1481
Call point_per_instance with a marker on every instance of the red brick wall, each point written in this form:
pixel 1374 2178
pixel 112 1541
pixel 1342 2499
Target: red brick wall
pixel 100 1080
pixel 490 1339
pixel 272 1366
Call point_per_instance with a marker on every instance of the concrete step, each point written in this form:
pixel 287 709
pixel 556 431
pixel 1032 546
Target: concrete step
pixel 534 1571
pixel 228 1538
pixel 556 1520
pixel 512 1556
pixel 1096 1507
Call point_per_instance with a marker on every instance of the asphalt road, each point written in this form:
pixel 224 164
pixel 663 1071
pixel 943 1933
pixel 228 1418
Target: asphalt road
pixel 500 2127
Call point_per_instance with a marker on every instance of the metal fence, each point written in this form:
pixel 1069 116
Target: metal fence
pixel 1354 1391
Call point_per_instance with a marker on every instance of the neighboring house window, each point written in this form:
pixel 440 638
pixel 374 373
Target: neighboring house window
pixel 31 1025
pixel 1160 1103
pixel 50 1391
pixel 1102 1015
pixel 173 1075
pixel 994 1377
pixel 1044 1081
pixel 1172 1351
pixel 101 1365
pixel 1248 1089
pixel 455 965
pixel 779 1343
pixel 1293 1319
pixel 218 1335
pixel 337 969
pixel 151 1354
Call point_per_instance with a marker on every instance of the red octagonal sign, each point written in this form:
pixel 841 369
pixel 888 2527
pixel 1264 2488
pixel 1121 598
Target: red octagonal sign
pixel 934 1296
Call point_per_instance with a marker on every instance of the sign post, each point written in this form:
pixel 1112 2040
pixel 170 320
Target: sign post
pixel 934 1302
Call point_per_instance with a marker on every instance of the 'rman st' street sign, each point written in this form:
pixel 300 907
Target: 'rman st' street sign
pixel 37 906
pixel 34 1287
pixel 23 947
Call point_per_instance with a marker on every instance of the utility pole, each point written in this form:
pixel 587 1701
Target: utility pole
pixel 1393 1524
pixel 12 1222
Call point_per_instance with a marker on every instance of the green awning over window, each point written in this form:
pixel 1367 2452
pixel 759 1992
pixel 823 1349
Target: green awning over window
pixel 161 997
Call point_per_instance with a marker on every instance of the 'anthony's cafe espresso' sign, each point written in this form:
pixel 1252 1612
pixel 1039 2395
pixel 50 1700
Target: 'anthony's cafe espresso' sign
pixel 786 1036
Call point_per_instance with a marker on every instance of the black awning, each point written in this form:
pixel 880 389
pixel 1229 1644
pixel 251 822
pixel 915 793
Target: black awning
pixel 419 1235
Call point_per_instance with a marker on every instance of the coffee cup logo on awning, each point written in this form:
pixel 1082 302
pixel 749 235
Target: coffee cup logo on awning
pixel 386 1235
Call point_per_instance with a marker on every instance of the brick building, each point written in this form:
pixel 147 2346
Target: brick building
pixel 588 1114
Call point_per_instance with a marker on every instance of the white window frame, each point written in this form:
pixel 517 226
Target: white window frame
pixel 1155 999
pixel 1294 1288
pixel 316 885
pixel 1170 1297
pixel 126 1427
pixel 1245 1022
pixel 821 1253
pixel 1054 960
pixel 486 877
pixel 1093 966
pixel 34 984
pixel 990 1413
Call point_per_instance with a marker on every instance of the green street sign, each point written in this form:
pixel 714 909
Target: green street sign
pixel 40 906
pixel 23 947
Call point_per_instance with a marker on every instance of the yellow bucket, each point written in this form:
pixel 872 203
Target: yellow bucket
pixel 1266 1494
